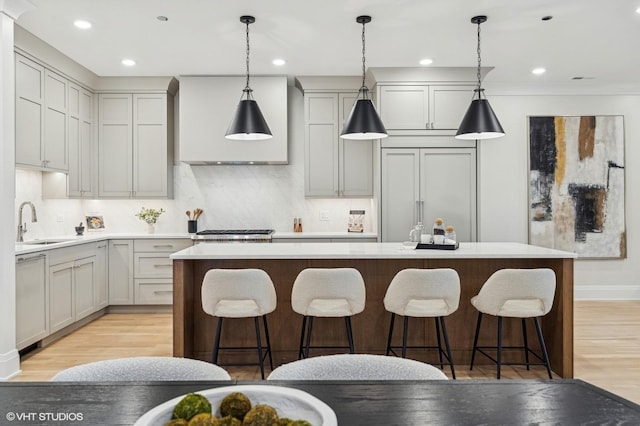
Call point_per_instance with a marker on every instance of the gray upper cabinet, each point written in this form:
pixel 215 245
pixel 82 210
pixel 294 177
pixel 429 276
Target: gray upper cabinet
pixel 423 107
pixel 334 167
pixel 41 117
pixel 135 146
pixel 81 153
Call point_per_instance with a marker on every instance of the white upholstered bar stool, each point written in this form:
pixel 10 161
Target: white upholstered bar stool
pixel 356 367
pixel 327 292
pixel 423 293
pixel 518 293
pixel 147 368
pixel 239 293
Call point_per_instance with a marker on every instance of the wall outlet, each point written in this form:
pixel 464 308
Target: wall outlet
pixel 60 218
pixel 324 215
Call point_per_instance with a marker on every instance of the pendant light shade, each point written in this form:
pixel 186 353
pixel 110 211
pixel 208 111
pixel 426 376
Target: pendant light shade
pixel 363 122
pixel 248 122
pixel 480 122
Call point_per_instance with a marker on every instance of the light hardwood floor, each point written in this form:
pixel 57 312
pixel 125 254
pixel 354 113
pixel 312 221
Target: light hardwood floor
pixel 606 348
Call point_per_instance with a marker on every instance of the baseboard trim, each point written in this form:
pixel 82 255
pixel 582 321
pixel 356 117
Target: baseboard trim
pixel 607 292
pixel 9 365
pixel 140 309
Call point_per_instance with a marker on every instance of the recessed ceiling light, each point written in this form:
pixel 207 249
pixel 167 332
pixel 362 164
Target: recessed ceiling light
pixel 84 25
pixel 538 71
pixel 278 62
pixel 638 10
pixel 128 62
pixel 426 61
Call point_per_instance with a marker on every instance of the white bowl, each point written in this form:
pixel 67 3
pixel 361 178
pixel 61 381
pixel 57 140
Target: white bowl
pixel 288 402
pixel 409 245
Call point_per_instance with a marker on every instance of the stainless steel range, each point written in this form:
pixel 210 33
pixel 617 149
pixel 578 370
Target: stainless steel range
pixel 233 235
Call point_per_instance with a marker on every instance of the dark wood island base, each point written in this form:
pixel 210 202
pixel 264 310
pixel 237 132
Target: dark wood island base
pixel 193 330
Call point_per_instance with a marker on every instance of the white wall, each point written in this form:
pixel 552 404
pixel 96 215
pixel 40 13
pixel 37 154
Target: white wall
pixel 503 184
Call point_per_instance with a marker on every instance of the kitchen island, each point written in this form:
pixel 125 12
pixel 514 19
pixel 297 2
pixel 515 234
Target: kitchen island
pixel 378 263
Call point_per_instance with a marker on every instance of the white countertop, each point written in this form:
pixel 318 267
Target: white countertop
pixel 329 234
pixel 88 237
pixel 358 250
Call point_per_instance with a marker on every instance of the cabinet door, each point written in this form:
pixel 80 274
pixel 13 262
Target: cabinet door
pixel 115 141
pixel 447 105
pixel 448 189
pixel 355 157
pixel 61 306
pixel 321 145
pixel 100 282
pixel 121 272
pixel 29 112
pixel 84 281
pixel 56 153
pixel 150 156
pixel 400 193
pixel 80 142
pixel 32 300
pixel 404 107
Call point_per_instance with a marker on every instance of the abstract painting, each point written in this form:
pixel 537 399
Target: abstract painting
pixel 576 185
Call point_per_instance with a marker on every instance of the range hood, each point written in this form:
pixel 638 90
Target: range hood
pixel 207 105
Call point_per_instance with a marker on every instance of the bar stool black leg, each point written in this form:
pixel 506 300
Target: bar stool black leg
pixel 439 342
pixel 405 332
pixel 260 359
pixel 526 344
pixel 499 345
pixel 308 345
pixel 347 321
pixel 266 335
pixel 304 326
pixel 446 342
pixel 216 342
pixel 393 317
pixel 543 346
pixel 475 339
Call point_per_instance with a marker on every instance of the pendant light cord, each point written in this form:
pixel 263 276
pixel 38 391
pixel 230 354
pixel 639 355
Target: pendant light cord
pixel 363 88
pixel 247 89
pixel 479 89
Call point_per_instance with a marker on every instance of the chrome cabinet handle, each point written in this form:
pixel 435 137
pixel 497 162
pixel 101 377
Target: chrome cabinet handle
pixel 160 292
pixel 29 259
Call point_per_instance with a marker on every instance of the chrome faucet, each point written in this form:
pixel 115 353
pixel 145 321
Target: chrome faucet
pixel 22 229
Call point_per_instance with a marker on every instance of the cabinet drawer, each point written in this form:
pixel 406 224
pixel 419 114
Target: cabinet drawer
pixel 161 245
pixel 151 265
pixel 154 292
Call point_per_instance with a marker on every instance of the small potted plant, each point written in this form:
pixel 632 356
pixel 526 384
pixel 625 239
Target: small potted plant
pixel 150 216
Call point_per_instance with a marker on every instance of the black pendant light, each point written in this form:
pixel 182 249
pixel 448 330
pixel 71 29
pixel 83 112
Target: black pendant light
pixel 248 122
pixel 364 121
pixel 480 122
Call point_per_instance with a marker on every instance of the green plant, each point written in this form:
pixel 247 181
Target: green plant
pixel 149 215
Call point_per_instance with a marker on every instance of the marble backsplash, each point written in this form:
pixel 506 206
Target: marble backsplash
pixel 245 196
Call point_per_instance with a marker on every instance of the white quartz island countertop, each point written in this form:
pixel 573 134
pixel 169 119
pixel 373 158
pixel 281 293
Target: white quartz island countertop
pixel 364 251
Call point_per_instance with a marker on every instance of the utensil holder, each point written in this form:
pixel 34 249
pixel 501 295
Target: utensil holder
pixel 192 226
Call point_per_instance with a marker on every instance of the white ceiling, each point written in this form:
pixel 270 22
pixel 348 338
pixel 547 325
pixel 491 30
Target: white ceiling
pixel 587 38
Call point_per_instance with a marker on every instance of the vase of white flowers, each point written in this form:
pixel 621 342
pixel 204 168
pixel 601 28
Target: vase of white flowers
pixel 150 216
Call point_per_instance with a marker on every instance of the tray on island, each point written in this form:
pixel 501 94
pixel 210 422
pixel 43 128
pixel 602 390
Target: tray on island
pixel 437 246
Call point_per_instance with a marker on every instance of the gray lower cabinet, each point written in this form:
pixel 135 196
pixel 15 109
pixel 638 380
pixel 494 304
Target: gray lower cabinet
pixel 32 299
pixel 71 291
pixel 120 272
pixel 153 270
pixel 101 284
pixel 327 240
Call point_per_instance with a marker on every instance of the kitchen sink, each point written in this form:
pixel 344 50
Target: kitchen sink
pixel 44 242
